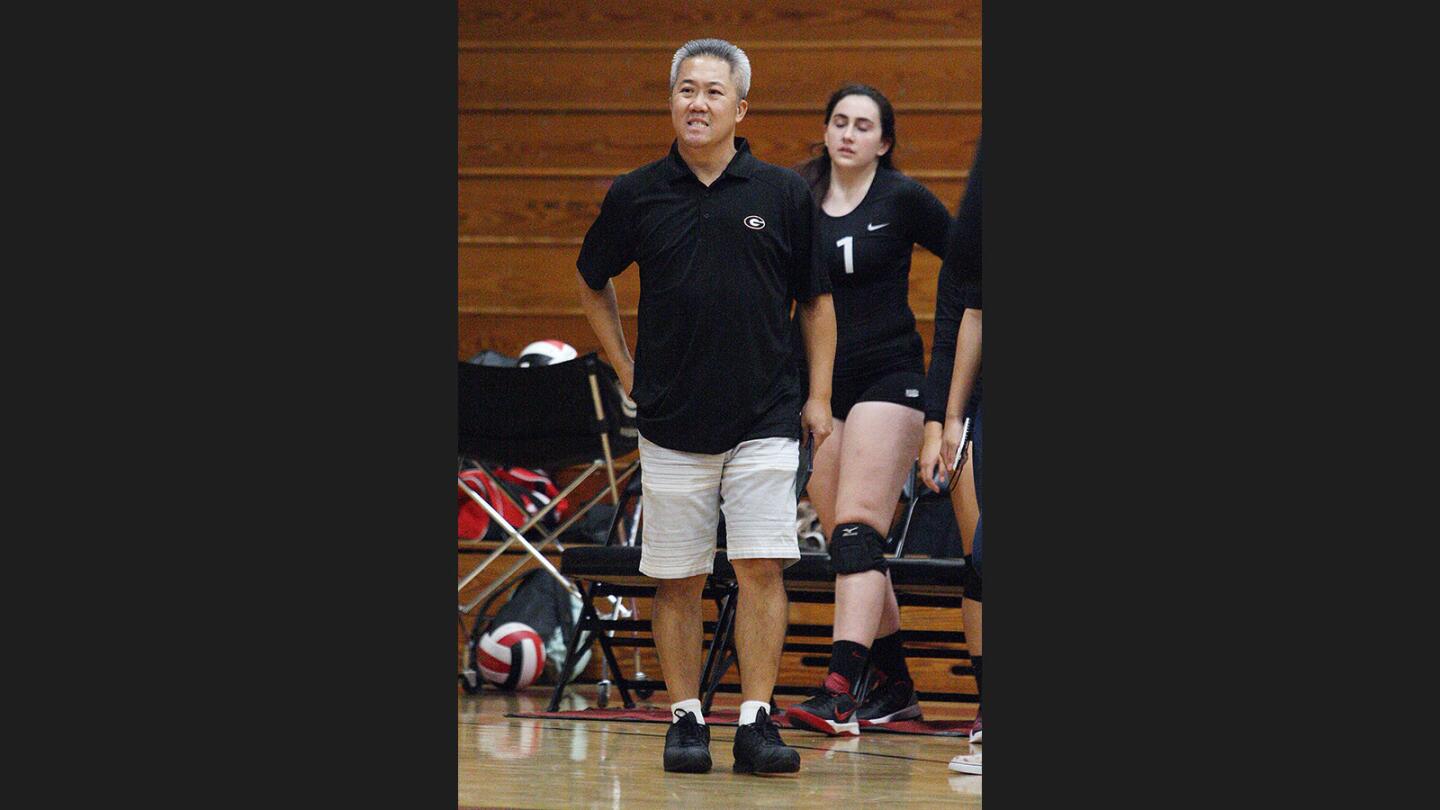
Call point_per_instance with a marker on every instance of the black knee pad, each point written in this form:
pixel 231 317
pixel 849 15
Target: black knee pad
pixel 971 580
pixel 855 548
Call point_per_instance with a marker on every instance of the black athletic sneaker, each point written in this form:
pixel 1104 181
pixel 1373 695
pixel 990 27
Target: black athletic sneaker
pixel 687 745
pixel 830 711
pixel 759 749
pixel 889 700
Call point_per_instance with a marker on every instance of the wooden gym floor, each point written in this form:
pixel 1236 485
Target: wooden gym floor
pixel 516 763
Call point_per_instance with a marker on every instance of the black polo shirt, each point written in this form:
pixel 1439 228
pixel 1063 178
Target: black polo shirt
pixel 719 267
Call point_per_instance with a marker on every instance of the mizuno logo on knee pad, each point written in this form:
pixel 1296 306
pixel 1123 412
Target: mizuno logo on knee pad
pixel 856 547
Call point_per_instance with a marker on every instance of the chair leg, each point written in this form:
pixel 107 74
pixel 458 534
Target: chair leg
pixel 730 659
pixel 625 498
pixel 713 656
pixel 535 553
pixel 619 676
pixel 572 649
pixel 718 662
pixel 514 535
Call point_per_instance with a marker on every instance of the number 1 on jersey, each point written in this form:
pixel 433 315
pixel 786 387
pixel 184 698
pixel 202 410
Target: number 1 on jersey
pixel 848 244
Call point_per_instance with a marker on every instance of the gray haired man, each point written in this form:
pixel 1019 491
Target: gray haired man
pixel 723 244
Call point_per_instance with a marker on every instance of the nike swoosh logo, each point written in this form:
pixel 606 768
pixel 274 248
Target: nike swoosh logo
pixel 870 227
pixel 843 716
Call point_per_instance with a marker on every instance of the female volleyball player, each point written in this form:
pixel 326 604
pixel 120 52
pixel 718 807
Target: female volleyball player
pixel 869 220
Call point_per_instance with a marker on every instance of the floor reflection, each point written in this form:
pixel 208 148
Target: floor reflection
pixel 615 764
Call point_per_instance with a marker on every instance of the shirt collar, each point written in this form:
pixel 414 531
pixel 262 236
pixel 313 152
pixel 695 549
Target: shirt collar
pixel 741 165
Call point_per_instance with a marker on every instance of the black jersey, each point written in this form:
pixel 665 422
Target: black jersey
pixel 866 254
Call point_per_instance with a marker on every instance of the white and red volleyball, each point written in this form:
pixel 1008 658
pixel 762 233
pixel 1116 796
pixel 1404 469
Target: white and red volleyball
pixel 546 353
pixel 511 656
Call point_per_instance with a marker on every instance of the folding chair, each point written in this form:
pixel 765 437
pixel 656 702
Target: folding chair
pixel 551 417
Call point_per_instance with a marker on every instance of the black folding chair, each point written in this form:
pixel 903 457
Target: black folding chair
pixel 549 417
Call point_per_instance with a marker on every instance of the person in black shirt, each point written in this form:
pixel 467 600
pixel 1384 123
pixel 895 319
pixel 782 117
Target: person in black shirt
pixel 870 218
pixel 951 389
pixel 723 243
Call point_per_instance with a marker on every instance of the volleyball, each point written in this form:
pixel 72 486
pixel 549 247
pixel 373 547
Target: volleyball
pixel 546 353
pixel 511 656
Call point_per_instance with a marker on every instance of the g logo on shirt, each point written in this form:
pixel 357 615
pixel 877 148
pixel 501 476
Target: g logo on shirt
pixel 754 223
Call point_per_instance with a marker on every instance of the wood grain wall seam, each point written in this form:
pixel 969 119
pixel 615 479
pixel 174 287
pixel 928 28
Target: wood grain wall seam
pixel 630 107
pixel 577 312
pixel 478 239
pixel 748 46
pixel 485 172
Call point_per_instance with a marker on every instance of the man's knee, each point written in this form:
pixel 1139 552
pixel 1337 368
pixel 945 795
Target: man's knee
pixel 685 588
pixel 759 571
pixel 855 548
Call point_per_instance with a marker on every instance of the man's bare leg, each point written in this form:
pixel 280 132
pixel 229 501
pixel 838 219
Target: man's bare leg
pixel 678 630
pixel 761 618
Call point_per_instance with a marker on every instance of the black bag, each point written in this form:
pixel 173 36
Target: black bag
pixel 543 604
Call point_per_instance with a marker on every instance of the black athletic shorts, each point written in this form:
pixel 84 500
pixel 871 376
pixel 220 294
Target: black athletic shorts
pixel 899 387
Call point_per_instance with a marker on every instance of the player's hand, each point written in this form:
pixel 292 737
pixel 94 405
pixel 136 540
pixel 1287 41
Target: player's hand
pixel 950 442
pixel 930 473
pixel 815 420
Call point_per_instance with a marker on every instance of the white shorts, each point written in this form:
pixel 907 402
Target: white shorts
pixel 682 495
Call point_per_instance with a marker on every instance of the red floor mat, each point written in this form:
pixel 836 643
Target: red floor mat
pixel 722 717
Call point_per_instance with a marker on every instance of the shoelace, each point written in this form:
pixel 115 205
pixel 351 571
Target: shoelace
pixel 689 727
pixel 770 732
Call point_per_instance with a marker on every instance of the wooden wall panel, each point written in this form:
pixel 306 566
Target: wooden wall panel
pixel 794 79
pixel 747 23
pixel 525 210
pixel 530 279
pixel 501 280
pixel 607 145
pixel 511 332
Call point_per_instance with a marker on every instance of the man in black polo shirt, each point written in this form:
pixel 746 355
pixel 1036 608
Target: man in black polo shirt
pixel 723 242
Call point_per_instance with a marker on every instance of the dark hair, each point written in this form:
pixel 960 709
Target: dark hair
pixel 816 170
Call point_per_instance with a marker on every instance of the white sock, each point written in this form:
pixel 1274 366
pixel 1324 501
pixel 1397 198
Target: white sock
pixel 692 706
pixel 750 709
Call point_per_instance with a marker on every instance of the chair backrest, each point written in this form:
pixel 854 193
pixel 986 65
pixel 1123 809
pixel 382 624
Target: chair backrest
pixel 543 416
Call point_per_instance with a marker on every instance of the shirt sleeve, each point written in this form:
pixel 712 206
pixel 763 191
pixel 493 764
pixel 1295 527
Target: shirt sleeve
pixel 930 219
pixel 968 254
pixel 959 282
pixel 970 291
pixel 808 279
pixel 948 310
pixel 609 245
